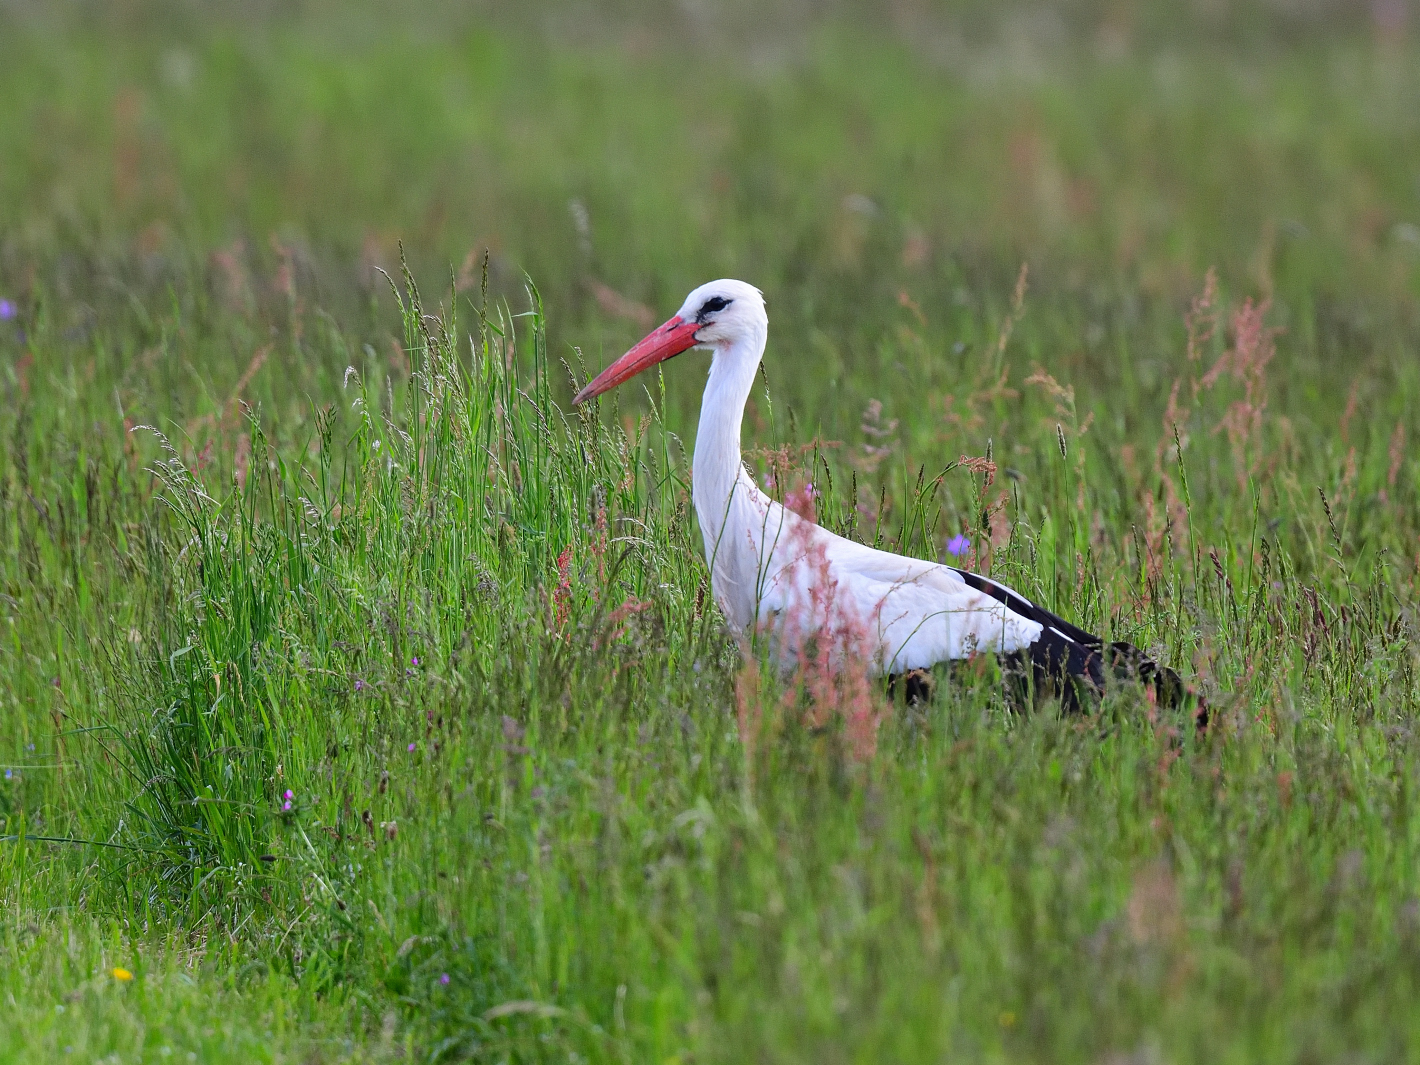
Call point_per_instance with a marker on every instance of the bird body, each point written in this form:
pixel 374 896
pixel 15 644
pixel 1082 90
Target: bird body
pixel 811 591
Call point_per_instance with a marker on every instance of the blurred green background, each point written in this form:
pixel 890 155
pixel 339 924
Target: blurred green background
pixel 1161 260
pixel 844 157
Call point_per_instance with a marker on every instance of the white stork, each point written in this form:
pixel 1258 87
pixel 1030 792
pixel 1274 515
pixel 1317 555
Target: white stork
pixel 774 570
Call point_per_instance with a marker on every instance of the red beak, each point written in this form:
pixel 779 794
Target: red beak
pixel 658 346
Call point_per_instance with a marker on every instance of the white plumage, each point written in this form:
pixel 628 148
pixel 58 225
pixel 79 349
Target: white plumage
pixel 805 586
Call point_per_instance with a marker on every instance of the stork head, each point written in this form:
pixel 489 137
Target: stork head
pixel 716 315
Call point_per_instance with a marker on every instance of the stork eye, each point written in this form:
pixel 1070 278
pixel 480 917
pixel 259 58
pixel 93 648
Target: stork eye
pixel 713 304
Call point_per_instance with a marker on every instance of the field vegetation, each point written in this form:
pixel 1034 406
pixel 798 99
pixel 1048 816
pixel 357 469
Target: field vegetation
pixel 360 700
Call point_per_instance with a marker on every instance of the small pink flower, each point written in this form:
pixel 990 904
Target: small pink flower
pixel 289 794
pixel 286 806
pixel 411 748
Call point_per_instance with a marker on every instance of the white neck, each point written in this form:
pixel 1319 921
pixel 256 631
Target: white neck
pixel 719 466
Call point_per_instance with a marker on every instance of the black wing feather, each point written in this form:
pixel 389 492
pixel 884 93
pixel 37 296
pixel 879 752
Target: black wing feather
pixel 1076 664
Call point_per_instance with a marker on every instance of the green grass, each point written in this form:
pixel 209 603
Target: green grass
pixel 271 521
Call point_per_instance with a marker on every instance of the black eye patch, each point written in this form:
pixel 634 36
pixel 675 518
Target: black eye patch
pixel 713 304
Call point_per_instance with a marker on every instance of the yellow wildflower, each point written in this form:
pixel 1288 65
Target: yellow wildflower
pixel 122 975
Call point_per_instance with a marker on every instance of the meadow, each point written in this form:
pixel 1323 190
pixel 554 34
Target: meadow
pixel 360 700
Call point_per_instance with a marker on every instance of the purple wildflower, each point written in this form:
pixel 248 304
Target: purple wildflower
pixel 444 979
pixel 958 545
pixel 289 794
pixel 415 660
pixel 359 685
pixel 411 748
pixel 9 774
pixel 8 310
pixel 286 806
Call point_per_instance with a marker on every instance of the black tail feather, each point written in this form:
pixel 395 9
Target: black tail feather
pixel 1075 665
